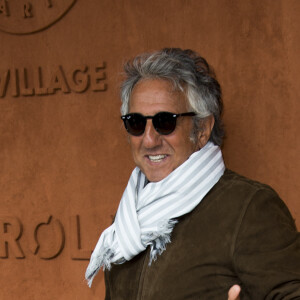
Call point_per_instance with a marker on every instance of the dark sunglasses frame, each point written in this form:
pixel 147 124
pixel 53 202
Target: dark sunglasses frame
pixel 163 122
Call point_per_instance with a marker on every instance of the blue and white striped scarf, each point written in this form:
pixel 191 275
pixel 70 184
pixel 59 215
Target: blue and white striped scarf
pixel 147 211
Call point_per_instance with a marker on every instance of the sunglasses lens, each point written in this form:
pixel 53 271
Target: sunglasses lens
pixel 164 123
pixel 135 124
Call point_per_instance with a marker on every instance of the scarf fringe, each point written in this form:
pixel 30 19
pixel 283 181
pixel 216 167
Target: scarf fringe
pixel 102 260
pixel 159 239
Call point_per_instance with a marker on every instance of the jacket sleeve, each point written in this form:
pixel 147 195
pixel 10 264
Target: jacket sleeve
pixel 266 249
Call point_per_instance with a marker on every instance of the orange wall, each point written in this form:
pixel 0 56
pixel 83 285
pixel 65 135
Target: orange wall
pixel 64 156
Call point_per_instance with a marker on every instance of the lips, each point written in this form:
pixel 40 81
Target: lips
pixel 157 158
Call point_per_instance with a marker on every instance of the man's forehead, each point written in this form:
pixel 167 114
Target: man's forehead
pixel 157 92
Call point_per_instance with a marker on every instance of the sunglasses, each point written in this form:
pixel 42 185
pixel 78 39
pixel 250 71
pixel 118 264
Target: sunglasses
pixel 163 122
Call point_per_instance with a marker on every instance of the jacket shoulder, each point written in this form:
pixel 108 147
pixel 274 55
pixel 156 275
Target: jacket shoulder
pixel 233 180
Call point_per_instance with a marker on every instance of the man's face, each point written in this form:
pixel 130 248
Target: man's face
pixel 158 155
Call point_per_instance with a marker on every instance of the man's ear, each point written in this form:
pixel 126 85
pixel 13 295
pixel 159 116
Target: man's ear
pixel 206 128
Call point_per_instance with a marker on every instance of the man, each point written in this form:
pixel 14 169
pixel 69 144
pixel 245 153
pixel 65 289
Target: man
pixel 186 227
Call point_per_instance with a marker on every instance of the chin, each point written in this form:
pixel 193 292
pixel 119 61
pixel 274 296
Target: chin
pixel 156 177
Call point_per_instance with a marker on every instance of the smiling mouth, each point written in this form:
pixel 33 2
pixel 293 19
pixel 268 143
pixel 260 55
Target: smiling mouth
pixel 157 158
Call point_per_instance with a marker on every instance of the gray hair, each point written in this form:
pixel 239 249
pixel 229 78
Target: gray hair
pixel 189 73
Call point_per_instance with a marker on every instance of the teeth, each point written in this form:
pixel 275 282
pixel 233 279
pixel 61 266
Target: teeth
pixel 156 158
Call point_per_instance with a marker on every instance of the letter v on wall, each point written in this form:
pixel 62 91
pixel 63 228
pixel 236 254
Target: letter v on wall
pixel 3 83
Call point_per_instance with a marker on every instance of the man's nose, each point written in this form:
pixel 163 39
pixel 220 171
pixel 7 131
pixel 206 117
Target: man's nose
pixel 151 137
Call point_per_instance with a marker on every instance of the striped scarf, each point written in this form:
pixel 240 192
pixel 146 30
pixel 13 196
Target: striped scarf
pixel 147 211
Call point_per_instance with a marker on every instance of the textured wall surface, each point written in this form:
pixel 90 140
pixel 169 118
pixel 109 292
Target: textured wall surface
pixel 63 151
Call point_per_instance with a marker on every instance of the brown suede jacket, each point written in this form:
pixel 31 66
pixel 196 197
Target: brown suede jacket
pixel 241 232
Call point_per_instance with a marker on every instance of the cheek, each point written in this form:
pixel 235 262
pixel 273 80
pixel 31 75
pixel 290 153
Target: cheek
pixel 135 145
pixel 185 152
pixel 183 147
